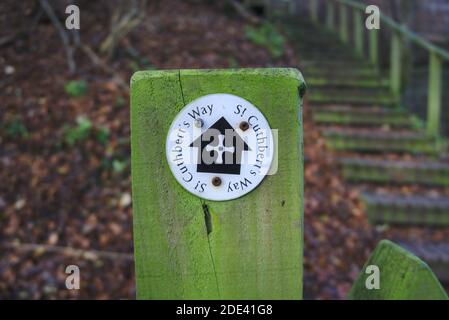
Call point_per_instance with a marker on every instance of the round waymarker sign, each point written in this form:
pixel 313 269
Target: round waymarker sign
pixel 220 147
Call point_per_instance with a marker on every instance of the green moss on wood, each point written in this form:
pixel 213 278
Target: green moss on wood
pixel 255 248
pixel 403 276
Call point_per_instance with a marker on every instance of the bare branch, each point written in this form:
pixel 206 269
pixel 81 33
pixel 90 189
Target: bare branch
pixel 86 254
pixel 71 41
pixel 65 37
pixel 124 19
pixel 241 10
pixel 96 60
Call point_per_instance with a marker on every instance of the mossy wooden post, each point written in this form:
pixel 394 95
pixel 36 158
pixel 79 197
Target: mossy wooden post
pixel 344 33
pixel 358 32
pixel 402 275
pixel 330 15
pixel 434 95
pixel 291 6
pixel 373 47
pixel 247 248
pixel 395 64
pixel 313 7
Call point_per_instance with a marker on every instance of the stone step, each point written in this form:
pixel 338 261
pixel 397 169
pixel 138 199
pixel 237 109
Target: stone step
pixel 319 37
pixel 340 73
pixel 344 83
pixel 335 64
pixel 361 116
pixel 380 141
pixel 374 97
pixel 314 44
pixel 436 255
pixel 395 172
pixel 339 56
pixel 377 91
pixel 309 32
pixel 339 64
pixel 315 39
pixel 312 40
pixel 406 210
pixel 331 54
pixel 346 78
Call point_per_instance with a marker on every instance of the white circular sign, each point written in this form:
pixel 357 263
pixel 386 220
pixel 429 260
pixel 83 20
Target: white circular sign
pixel 219 147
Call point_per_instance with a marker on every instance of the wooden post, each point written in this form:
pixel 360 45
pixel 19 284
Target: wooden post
pixel 313 10
pixel 268 9
pixel 189 248
pixel 358 32
pixel 401 275
pixel 434 95
pixel 330 15
pixel 373 47
pixel 395 65
pixel 344 33
pixel 291 7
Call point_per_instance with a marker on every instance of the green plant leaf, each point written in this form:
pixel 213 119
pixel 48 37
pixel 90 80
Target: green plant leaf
pixel 76 88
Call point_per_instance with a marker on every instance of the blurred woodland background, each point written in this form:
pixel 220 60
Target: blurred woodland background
pixel 65 188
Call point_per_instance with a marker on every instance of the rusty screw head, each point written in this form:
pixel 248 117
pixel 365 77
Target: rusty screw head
pixel 199 123
pixel 244 125
pixel 216 181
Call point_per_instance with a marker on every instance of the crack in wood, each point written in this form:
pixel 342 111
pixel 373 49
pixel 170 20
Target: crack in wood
pixel 207 219
pixel 208 224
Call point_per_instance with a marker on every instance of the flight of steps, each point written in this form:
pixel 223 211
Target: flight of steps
pixel 378 143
